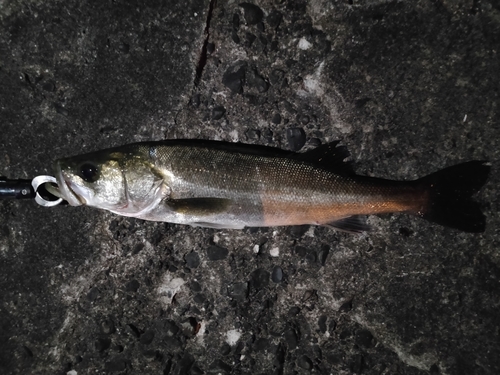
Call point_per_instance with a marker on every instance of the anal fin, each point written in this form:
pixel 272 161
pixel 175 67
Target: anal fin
pixel 351 224
pixel 204 224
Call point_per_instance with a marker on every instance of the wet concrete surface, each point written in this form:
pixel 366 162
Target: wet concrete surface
pixel 409 88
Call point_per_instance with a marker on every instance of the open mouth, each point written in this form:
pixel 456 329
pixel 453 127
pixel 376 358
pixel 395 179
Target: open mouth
pixel 66 188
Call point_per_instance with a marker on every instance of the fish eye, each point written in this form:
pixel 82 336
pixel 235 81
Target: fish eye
pixel 89 172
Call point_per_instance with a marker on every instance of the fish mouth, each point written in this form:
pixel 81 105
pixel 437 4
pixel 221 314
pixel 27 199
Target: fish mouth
pixel 68 189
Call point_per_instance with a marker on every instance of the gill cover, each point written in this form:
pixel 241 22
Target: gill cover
pixel 121 180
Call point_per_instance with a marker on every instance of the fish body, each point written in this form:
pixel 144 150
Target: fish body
pixel 231 185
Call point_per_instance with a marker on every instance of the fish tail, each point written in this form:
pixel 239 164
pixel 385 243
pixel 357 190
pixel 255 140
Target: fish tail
pixel 450 193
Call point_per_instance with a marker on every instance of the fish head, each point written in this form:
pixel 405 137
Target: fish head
pixel 119 181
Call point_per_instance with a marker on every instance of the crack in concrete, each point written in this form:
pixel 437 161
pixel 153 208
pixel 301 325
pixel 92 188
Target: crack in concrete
pixel 203 56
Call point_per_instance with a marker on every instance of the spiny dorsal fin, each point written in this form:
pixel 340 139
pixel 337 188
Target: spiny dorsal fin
pixel 329 156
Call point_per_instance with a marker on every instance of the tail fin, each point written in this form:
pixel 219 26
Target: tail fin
pixel 450 196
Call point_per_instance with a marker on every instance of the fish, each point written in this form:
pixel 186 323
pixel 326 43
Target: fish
pixel 226 185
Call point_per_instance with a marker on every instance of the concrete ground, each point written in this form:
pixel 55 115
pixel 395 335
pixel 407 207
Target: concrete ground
pixel 409 88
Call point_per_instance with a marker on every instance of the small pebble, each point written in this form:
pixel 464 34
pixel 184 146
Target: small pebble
pixel 261 344
pixel 346 306
pixel 305 363
pixel 199 298
pixel 218 112
pixel 277 274
pixel 359 103
pixel 115 365
pixel 195 370
pixel 304 44
pixel 357 364
pixel 296 138
pixel 137 248
pixel 236 21
pixel 364 338
pixel 132 286
pixel 274 19
pixel 134 330
pixel 406 232
pixel 294 310
pixel 195 100
pixel 61 110
pixel 323 254
pixel 238 291
pixel 332 326
pixel 267 135
pixel 147 337
pixel 107 326
pixel 225 349
pixel 233 80
pixel 93 294
pixel 322 323
pixel 232 337
pixel 220 367
pixel 256 81
pixel 170 328
pixel 315 142
pixel 311 256
pixel 253 134
pixel 301 251
pixel 150 353
pixel 434 370
pixel 276 76
pixel 291 338
pixel 252 13
pixel 288 107
pixel 304 119
pixel 192 259
pixel 124 48
pixel 102 344
pixel 49 86
pixel 217 253
pixel 260 278
pixel 249 39
pixel 195 286
pixel 276 118
pixel 235 37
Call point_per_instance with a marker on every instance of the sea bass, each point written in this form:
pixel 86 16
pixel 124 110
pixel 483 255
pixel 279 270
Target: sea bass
pixel 232 185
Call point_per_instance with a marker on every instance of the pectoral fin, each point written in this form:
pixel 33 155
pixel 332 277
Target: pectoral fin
pixel 199 206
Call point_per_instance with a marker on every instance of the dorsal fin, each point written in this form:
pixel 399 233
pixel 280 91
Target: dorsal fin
pixel 329 156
